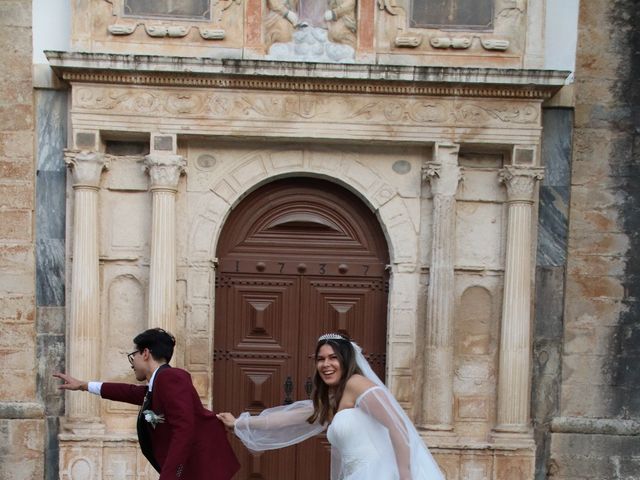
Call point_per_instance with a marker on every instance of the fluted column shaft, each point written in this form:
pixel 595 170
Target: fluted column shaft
pixel 164 171
pixel 84 322
pixel 444 175
pixel 515 339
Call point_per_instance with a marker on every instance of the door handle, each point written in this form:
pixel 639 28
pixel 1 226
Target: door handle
pixel 308 387
pixel 288 390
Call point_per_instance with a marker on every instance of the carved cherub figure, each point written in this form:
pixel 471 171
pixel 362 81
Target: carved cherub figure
pixel 281 21
pixel 341 21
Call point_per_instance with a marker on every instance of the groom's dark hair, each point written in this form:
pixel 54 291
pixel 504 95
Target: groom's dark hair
pixel 159 342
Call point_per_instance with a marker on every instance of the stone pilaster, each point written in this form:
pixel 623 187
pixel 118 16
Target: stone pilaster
pixel 515 341
pixel 83 411
pixel 444 175
pixel 164 170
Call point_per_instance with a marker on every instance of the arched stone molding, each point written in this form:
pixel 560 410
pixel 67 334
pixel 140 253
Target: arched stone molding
pixel 398 218
pixel 398 221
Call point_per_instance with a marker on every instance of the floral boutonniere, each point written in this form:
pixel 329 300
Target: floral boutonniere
pixel 153 418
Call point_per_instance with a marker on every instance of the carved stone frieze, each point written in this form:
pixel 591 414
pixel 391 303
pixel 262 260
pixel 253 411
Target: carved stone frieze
pixel 317 107
pixel 475 112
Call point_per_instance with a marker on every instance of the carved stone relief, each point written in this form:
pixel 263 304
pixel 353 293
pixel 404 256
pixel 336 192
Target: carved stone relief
pixel 175 20
pixel 310 31
pixel 499 27
pixel 368 109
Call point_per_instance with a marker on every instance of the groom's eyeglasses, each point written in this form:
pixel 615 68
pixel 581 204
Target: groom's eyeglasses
pixel 131 355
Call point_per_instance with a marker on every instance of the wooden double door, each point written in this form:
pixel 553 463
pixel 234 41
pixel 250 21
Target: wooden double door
pixel 297 258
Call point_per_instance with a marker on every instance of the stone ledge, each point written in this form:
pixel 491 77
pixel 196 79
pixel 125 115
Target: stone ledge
pixel 327 77
pixel 21 410
pixel 451 446
pixel 106 438
pixel 590 426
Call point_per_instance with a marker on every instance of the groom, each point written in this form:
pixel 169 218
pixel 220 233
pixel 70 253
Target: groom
pixel 179 437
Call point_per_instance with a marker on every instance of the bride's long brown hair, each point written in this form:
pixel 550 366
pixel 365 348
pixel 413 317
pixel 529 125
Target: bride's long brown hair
pixel 324 405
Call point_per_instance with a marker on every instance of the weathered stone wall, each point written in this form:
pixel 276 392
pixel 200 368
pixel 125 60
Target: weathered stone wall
pixel 596 434
pixel 21 419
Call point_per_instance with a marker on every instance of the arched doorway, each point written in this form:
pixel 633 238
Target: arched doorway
pixel 297 258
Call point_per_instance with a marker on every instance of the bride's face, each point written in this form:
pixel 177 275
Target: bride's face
pixel 328 365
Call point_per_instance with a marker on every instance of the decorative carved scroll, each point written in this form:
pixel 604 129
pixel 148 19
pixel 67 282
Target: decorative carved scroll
pixel 173 24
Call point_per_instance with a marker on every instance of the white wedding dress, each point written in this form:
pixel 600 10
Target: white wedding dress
pixel 356 455
pixel 371 441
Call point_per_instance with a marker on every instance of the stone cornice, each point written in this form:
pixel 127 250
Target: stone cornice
pixel 305 77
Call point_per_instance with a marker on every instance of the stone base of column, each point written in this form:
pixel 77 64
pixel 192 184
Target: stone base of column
pixel 116 455
pixel 513 439
pixel 436 428
pixel 441 435
pixel 438 389
pixel 469 459
pixel 83 426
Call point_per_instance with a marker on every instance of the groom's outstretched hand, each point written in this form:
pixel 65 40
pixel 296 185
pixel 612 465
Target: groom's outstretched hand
pixel 71 383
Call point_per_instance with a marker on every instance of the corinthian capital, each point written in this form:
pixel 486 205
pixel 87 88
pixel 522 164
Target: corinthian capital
pixel 444 173
pixel 164 170
pixel 86 167
pixel 520 181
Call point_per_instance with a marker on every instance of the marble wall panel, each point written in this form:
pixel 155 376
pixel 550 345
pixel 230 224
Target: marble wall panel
pixel 553 213
pixel 51 126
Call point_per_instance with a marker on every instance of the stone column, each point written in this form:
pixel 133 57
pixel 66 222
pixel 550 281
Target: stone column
pixel 444 175
pixel 83 411
pixel 515 337
pixel 164 170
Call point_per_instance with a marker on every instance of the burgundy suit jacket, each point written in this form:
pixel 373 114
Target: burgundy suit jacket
pixel 192 443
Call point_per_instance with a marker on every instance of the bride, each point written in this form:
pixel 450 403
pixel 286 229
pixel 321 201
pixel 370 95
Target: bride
pixel 371 436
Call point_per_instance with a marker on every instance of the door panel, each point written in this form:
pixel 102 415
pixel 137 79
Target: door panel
pixel 254 351
pixel 356 306
pixel 297 258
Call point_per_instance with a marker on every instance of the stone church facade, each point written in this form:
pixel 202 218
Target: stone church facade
pixel 496 303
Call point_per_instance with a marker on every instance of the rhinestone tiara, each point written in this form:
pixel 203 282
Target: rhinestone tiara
pixel 331 336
